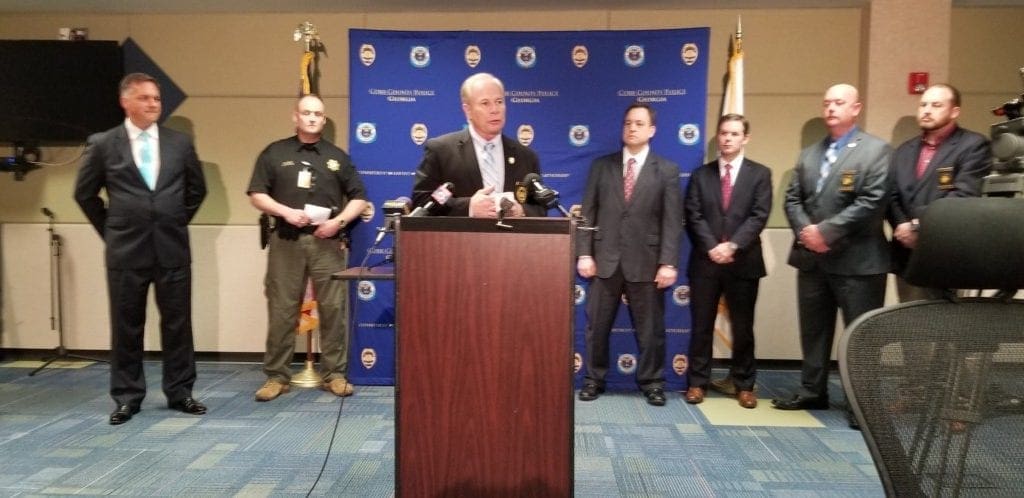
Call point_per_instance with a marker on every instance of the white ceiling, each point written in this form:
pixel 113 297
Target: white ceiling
pixel 240 6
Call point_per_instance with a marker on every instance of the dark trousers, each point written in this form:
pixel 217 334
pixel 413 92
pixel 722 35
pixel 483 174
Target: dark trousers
pixel 819 295
pixel 647 312
pixel 128 290
pixel 740 297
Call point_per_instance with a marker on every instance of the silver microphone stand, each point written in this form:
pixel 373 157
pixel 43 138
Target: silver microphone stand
pixel 57 301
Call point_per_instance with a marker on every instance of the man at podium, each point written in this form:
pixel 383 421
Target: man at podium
pixel 633 196
pixel 484 167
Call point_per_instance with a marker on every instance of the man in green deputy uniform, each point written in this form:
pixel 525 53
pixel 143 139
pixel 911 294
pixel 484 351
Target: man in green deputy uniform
pixel 313 191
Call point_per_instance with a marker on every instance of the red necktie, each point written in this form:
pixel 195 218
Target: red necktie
pixel 925 157
pixel 629 180
pixel 727 186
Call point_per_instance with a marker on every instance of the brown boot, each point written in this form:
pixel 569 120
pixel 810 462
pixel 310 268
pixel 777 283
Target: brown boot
pixel 271 389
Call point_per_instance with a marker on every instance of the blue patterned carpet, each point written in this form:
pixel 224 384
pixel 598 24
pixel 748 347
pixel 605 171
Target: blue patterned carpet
pixel 55 440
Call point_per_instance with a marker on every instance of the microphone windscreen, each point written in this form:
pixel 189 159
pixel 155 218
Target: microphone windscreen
pixel 443 193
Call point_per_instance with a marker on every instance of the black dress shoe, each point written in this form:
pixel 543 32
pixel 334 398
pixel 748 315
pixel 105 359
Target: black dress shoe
pixel 122 414
pixel 798 402
pixel 188 405
pixel 655 396
pixel 590 392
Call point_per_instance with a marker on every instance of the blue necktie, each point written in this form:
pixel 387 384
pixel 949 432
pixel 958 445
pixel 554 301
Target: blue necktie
pixel 146 161
pixel 826 166
pixel 491 173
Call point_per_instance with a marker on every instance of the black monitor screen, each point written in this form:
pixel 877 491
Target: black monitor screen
pixel 58 91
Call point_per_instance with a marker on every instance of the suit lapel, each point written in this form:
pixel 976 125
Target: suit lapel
pixel 740 187
pixel 124 147
pixel 647 176
pixel 509 161
pixel 945 149
pixel 468 153
pixel 835 172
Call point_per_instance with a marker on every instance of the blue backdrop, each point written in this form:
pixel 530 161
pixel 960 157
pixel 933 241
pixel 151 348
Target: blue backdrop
pixel 565 94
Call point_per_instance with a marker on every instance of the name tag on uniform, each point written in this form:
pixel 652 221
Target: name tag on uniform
pixel 305 179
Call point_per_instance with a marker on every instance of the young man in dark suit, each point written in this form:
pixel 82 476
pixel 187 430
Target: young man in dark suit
pixel 944 161
pixel 633 196
pixel 835 205
pixel 727 205
pixel 154 184
pixel 479 161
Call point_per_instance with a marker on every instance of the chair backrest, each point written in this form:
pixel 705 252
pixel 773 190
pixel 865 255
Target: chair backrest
pixel 938 386
pixel 938 389
pixel 970 243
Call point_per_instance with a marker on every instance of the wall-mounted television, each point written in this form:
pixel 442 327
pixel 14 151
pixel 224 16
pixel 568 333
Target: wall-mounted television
pixel 58 91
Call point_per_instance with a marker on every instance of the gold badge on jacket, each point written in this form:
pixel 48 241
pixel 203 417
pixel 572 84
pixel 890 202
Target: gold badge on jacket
pixel 333 165
pixel 847 179
pixel 521 192
pixel 945 178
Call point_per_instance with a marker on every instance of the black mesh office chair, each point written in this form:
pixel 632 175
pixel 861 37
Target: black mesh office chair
pixel 938 386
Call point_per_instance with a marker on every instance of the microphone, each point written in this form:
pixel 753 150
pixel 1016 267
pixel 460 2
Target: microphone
pixel 545 196
pixel 439 197
pixel 392 209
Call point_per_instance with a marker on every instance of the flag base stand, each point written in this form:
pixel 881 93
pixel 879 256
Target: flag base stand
pixel 308 377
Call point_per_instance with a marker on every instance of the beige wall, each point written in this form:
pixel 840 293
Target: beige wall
pixel 241 71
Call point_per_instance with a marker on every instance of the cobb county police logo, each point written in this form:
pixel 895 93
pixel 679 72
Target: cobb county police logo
pixel 579 295
pixel 580 56
pixel 368 357
pixel 366 133
pixel 525 134
pixel 419 56
pixel 526 57
pixel 368 212
pixel 689 53
pixel 633 55
pixel 366 290
pixel 579 135
pixel 626 363
pixel 689 134
pixel 418 133
pixel 681 296
pixel 367 54
pixel 679 364
pixel 473 55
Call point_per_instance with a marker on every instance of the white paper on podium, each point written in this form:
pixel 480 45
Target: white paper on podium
pixel 317 214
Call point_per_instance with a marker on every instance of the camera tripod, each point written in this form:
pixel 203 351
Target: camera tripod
pixel 57 302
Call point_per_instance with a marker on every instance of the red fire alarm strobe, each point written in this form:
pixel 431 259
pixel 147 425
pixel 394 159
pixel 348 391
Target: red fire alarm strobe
pixel 917 83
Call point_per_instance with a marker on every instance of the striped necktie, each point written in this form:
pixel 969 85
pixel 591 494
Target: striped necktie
pixel 826 166
pixel 491 173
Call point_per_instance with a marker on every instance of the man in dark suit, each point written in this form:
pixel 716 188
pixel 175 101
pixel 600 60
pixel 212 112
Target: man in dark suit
pixel 727 205
pixel 633 196
pixel 479 161
pixel 835 204
pixel 945 161
pixel 154 184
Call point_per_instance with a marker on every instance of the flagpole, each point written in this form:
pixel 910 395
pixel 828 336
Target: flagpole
pixel 309 36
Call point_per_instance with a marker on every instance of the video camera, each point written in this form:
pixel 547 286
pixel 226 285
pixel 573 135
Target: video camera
pixel 1007 178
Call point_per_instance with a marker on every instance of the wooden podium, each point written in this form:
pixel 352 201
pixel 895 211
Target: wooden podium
pixel 484 394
